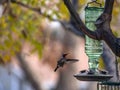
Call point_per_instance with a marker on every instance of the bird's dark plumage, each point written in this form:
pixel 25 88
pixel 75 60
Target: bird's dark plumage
pixel 63 60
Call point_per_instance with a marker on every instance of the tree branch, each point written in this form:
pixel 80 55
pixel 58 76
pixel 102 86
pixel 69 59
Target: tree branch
pixel 70 27
pixel 79 24
pixel 103 31
pixel 27 72
pixel 38 10
pixel 109 6
pixel 72 22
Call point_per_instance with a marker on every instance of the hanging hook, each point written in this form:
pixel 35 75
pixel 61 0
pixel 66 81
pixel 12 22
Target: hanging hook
pixel 94 1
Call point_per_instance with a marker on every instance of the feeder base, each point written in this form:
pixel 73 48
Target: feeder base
pixel 93 76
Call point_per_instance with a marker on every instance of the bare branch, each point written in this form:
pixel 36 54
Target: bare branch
pixel 70 27
pixel 108 6
pixel 38 10
pixel 103 31
pixel 27 72
pixel 79 24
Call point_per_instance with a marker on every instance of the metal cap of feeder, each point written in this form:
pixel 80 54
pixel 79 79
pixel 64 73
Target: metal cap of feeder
pixel 93 74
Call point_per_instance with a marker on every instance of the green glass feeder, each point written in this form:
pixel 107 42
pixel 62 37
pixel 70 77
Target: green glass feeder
pixel 93 48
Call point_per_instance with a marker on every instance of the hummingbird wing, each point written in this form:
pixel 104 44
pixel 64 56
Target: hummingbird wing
pixel 73 60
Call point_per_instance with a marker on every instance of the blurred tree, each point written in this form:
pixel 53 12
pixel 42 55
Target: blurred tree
pixel 21 21
pixel 16 24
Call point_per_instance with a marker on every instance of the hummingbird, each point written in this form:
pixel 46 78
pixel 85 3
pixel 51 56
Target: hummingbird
pixel 63 60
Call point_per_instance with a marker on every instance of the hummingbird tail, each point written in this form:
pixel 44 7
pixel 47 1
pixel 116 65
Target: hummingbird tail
pixel 56 69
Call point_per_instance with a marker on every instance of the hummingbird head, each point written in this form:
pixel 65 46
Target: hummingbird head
pixel 65 54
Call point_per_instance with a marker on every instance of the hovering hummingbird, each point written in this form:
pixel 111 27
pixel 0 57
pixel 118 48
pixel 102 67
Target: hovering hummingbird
pixel 63 60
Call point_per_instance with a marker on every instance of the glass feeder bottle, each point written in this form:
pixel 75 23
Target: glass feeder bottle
pixel 93 48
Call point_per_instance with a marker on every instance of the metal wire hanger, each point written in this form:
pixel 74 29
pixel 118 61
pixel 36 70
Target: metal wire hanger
pixel 94 1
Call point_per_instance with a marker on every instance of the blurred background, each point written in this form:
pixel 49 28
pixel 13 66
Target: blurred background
pixel 33 36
